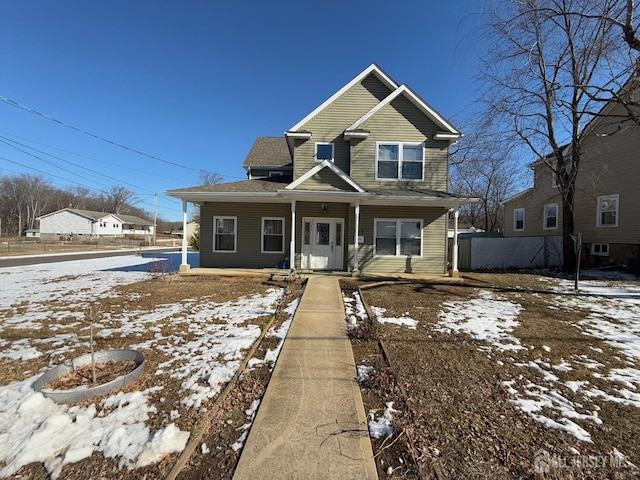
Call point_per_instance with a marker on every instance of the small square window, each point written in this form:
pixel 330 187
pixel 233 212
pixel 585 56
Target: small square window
pixel 324 151
pixel 600 249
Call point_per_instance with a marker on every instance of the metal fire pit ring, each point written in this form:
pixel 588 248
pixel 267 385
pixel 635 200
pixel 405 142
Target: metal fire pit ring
pixel 80 394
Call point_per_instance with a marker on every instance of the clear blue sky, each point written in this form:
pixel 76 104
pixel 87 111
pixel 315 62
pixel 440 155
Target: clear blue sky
pixel 194 82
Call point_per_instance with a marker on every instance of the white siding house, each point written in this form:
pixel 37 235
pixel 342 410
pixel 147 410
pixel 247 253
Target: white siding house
pixel 71 222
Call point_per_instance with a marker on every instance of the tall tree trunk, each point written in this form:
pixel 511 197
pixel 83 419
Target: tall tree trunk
pixel 568 249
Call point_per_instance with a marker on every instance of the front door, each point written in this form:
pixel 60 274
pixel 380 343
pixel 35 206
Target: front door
pixel 323 239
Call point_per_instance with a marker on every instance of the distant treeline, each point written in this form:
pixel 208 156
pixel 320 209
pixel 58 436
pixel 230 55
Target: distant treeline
pixel 24 198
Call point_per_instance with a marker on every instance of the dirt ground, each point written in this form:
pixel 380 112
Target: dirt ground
pixel 455 418
pixel 219 431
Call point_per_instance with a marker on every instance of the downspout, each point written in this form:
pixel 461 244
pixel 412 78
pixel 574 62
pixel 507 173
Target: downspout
pixel 454 254
pixel 356 245
pixel 184 266
pixel 292 244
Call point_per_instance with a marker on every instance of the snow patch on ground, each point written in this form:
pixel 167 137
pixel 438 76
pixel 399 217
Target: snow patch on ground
pixel 381 426
pixel 35 429
pixel 404 320
pixel 489 318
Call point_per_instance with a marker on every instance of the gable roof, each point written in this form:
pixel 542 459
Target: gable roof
pixel 268 152
pixel 414 98
pixel 331 166
pixel 95 216
pixel 372 69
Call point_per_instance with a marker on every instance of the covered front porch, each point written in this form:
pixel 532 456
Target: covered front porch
pixel 327 232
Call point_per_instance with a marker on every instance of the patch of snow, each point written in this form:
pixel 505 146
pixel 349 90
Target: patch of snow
pixel 35 429
pixel 382 427
pixel 488 318
pixel 404 320
pixel 363 372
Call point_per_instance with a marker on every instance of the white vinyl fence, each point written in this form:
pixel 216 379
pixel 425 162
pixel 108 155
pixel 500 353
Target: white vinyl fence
pixel 486 253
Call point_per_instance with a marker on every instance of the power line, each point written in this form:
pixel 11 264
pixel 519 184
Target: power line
pixel 146 172
pixel 26 108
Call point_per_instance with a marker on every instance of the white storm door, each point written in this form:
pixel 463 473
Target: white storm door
pixel 326 244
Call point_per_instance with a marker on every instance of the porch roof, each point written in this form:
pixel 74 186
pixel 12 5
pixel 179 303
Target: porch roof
pixel 272 190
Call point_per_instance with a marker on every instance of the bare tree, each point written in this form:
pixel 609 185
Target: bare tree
pixel 209 178
pixel 483 166
pixel 542 76
pixel 117 200
pixel 23 198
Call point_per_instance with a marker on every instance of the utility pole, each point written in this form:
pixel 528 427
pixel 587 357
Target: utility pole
pixel 155 217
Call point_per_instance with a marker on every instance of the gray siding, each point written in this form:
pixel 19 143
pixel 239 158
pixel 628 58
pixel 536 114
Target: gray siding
pixel 610 165
pixel 249 219
pixel 329 124
pixel 433 259
pixel 249 234
pixel 400 121
pixel 534 202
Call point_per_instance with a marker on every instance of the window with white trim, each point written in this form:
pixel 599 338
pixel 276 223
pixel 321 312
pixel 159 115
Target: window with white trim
pixel 518 220
pixel 324 151
pixel 608 210
pixel 600 249
pixel 224 234
pixel 550 216
pixel 398 237
pixel 399 161
pixel 272 235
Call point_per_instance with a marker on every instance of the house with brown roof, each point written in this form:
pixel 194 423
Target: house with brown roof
pixel 358 184
pixel 607 197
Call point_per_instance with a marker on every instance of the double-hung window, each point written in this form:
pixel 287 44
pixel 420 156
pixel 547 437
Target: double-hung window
pixel 224 234
pixel 324 151
pixel 551 216
pixel 399 161
pixel 398 237
pixel 518 220
pixel 608 211
pixel 272 235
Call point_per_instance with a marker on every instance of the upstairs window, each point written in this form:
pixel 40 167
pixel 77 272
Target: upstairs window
pixel 551 216
pixel 324 151
pixel 518 220
pixel 608 211
pixel 399 161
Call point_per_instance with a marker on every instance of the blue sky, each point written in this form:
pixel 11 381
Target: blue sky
pixel 194 82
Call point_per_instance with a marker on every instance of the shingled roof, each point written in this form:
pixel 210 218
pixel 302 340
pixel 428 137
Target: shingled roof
pixel 268 152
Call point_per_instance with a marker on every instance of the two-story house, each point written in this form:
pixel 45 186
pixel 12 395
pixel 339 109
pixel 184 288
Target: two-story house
pixel 607 196
pixel 359 184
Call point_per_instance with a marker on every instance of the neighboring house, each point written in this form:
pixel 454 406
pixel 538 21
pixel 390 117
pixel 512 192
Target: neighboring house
pixel 69 222
pixel 359 184
pixel 607 197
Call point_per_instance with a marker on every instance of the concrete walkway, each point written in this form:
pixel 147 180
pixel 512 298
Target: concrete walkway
pixel 311 422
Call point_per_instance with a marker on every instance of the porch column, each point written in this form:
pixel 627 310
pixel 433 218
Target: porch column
pixel 292 245
pixel 184 266
pixel 454 254
pixel 356 246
